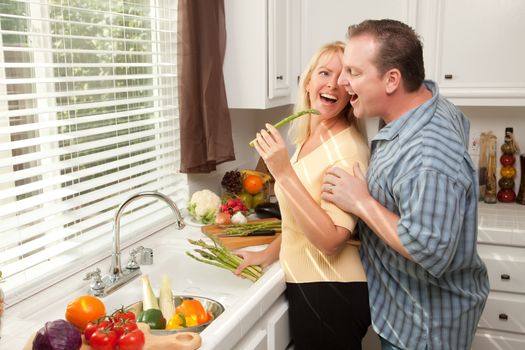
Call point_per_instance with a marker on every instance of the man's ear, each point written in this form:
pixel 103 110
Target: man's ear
pixel 392 80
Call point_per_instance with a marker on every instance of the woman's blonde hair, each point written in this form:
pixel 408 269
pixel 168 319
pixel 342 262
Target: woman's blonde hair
pixel 300 128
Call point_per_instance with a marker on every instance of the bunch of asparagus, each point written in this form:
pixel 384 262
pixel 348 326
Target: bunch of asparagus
pixel 244 229
pixel 217 255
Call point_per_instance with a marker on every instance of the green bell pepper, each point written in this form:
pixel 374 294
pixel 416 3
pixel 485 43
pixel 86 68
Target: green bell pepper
pixel 153 318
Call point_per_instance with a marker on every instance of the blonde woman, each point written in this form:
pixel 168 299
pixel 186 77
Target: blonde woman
pixel 326 283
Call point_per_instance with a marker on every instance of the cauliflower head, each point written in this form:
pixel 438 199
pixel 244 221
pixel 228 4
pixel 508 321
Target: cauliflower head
pixel 203 206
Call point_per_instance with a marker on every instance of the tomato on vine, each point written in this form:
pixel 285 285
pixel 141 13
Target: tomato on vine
pixel 92 326
pixel 103 339
pixel 123 314
pixel 133 340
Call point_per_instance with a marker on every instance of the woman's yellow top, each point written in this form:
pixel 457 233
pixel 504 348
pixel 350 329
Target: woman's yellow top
pixel 301 260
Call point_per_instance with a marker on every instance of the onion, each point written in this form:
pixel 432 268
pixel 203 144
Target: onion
pixel 222 218
pixel 57 335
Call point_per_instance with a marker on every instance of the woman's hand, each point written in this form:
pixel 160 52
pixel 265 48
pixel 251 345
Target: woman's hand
pixel 251 258
pixel 272 149
pixel 348 192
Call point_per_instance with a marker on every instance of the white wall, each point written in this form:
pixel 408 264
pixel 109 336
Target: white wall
pixel 496 119
pixel 246 122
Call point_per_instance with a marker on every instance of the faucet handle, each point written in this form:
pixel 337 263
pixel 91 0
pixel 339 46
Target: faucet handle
pixel 97 286
pixel 132 262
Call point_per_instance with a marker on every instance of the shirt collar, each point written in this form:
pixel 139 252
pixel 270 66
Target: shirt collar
pixel 411 121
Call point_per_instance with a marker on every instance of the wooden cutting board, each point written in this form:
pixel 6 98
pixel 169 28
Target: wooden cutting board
pixel 177 341
pixel 238 242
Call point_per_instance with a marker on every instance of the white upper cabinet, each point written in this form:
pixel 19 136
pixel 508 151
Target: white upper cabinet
pixel 328 20
pixel 475 49
pixel 261 63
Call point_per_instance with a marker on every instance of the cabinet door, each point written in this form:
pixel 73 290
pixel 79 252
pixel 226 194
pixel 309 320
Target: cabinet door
pixel 278 325
pixel 475 50
pixel 279 47
pixel 262 52
pixel 254 340
pixel 328 20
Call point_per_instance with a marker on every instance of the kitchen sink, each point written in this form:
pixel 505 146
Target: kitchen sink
pixel 187 277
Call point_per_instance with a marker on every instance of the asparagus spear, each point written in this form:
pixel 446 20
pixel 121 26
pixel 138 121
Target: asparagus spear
pixel 289 119
pixel 218 255
pixel 240 229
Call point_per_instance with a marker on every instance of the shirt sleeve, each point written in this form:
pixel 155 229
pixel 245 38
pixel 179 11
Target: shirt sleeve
pixel 431 206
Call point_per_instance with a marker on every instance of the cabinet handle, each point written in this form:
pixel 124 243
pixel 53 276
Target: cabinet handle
pixel 504 276
pixel 279 77
pixel 448 76
pixel 503 317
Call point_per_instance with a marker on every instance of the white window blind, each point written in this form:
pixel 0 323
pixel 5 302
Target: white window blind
pixel 88 117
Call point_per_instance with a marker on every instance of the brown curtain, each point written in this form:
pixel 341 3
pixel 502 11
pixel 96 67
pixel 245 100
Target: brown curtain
pixel 205 125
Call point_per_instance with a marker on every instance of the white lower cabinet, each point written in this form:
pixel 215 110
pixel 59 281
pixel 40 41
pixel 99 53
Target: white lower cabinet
pixel 502 324
pixel 272 330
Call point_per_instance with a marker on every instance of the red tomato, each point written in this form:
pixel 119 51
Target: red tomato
pixel 103 339
pixel 133 340
pixel 123 327
pixel 92 326
pixel 122 314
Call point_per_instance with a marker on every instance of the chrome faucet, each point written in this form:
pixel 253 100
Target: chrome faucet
pixel 118 276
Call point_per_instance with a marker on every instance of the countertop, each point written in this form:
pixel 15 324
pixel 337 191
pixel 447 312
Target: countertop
pixel 242 308
pixel 498 224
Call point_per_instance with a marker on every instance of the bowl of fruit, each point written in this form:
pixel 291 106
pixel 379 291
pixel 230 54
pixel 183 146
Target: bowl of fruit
pixel 243 191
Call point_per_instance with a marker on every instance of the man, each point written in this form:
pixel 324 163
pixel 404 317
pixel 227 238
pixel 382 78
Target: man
pixel 418 203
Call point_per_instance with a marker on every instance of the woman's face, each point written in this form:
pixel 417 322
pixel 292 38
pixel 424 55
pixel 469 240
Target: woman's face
pixel 325 94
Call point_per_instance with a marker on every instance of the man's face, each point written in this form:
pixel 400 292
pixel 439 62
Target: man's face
pixel 361 78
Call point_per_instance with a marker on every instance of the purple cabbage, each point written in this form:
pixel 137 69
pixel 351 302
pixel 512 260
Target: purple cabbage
pixel 57 335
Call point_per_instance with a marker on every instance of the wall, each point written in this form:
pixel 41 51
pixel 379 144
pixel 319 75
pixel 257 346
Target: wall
pixel 245 124
pixel 496 119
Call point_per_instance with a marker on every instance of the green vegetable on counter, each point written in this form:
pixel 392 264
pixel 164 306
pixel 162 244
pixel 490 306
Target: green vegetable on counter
pixel 288 119
pixel 218 255
pixel 241 229
pixel 153 318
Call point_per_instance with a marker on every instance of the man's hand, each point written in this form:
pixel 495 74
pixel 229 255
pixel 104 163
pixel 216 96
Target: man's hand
pixel 348 192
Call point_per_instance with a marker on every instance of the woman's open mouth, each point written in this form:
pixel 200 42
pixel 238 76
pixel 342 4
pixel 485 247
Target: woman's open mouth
pixel 328 98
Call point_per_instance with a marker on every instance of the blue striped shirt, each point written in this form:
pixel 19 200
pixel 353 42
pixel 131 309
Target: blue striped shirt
pixel 420 170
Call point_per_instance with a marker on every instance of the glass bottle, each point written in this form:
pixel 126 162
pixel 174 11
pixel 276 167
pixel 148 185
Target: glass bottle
pixel 490 190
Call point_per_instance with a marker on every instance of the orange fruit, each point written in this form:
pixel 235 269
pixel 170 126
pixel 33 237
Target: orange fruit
pixel 252 184
pixel 84 309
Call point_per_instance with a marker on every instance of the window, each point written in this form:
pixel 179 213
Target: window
pixel 88 117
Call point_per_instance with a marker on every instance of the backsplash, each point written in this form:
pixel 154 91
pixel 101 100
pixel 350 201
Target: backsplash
pixel 246 122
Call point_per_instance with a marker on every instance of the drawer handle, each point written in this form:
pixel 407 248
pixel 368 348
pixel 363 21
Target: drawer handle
pixel 448 76
pixel 504 276
pixel 279 77
pixel 503 317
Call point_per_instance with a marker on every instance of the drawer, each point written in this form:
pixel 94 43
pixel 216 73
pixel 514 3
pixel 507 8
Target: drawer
pixel 504 312
pixel 492 340
pixel 506 266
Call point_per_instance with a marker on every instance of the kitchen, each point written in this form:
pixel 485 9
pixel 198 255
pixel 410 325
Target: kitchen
pixel 487 83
